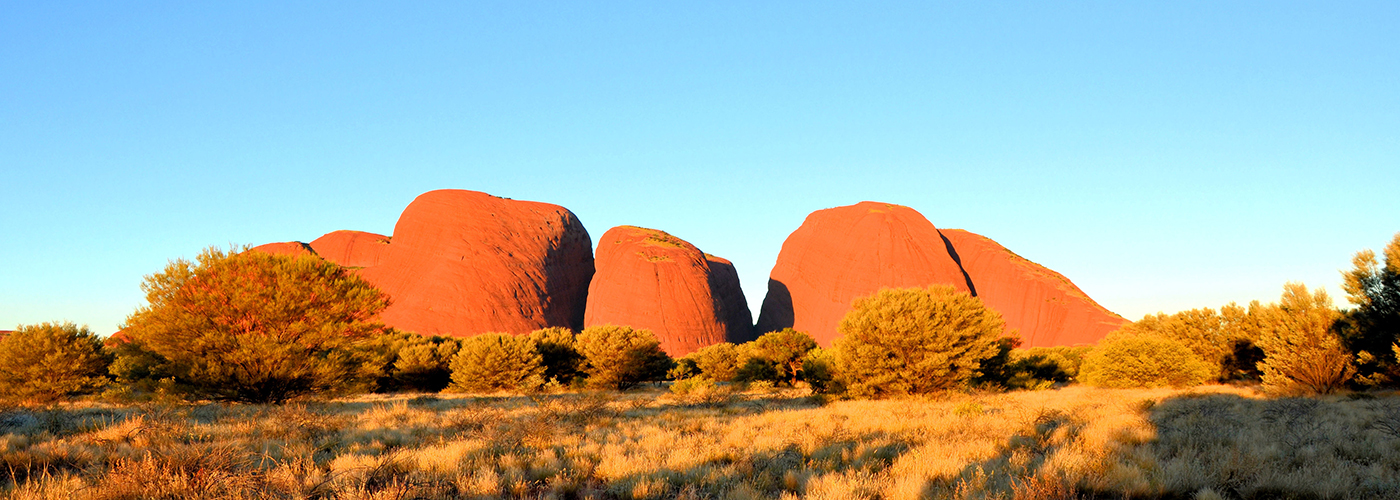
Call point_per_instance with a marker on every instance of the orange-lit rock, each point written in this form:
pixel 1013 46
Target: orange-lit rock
pixel 649 279
pixel 1044 305
pixel 462 263
pixel 842 253
pixel 352 248
pixel 293 248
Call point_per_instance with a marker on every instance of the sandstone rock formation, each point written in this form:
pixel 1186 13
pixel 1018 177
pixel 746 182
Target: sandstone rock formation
pixel 293 248
pixel 842 253
pixel 352 248
pixel 1044 305
pixel 462 263
pixel 649 279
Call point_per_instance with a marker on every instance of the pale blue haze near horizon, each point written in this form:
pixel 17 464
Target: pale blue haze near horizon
pixel 1162 155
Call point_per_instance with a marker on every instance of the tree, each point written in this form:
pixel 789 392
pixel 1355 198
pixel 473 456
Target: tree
pixel 915 341
pixel 561 358
pixel 1224 339
pixel 718 362
pixel 496 362
pixel 786 349
pixel 254 327
pixel 43 363
pixel 1302 351
pixel 424 364
pixel 1372 328
pixel 1125 359
pixel 619 357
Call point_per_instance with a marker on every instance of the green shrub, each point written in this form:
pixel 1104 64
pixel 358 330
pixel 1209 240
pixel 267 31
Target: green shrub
pixel 254 327
pixel 1224 339
pixel 915 341
pixel 1302 351
pixel 758 369
pixel 620 357
pixel 497 362
pixel 718 362
pixel 786 349
pixel 1126 360
pixel 557 346
pixel 1372 328
pixel 819 372
pixel 43 363
pixel 424 365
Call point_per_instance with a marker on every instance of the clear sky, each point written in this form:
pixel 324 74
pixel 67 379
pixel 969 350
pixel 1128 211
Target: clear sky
pixel 1163 155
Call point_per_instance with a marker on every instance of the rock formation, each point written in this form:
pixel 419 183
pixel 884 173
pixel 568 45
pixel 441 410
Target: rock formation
pixel 462 263
pixel 1044 305
pixel 352 248
pixel 842 253
pixel 649 279
pixel 293 248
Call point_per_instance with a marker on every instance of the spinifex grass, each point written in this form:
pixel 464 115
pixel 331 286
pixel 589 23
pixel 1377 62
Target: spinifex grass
pixel 1077 442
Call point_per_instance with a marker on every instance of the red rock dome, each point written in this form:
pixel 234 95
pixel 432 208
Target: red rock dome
pixel 649 279
pixel 1044 305
pixel 293 248
pixel 463 263
pixel 842 253
pixel 352 248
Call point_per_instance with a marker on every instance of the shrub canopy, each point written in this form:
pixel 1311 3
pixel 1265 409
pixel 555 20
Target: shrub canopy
pixel 915 341
pixel 559 352
pixel 43 363
pixel 1302 351
pixel 497 362
pixel 1124 360
pixel 254 327
pixel 786 349
pixel 619 357
pixel 1373 326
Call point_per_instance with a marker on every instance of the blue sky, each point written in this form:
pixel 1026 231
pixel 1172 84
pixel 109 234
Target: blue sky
pixel 1164 156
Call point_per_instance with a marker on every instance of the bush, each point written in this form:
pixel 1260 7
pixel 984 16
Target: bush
pixel 915 341
pixel 1302 351
pixel 718 362
pixel 558 349
pixel 1223 339
pixel 424 364
pixel 786 349
pixel 43 363
pixel 1124 360
pixel 254 327
pixel 497 362
pixel 1372 328
pixel 819 372
pixel 620 357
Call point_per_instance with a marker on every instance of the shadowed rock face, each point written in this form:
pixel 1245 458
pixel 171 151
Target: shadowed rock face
pixel 649 279
pixel 352 248
pixel 842 253
pixel 463 263
pixel 1044 305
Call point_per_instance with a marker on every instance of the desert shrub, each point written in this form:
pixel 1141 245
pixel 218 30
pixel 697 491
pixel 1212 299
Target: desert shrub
pixel 683 368
pixel 619 357
pixel 1302 351
pixel 1372 327
pixel 497 362
pixel 46 362
pixel 1127 360
pixel 1223 339
pixel 424 365
pixel 758 369
pixel 254 327
pixel 719 362
pixel 561 358
pixel 819 371
pixel 915 340
pixel 786 349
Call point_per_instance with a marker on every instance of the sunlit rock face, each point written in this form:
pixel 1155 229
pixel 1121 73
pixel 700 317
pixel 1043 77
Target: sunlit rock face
pixel 842 253
pixel 462 263
pixel 1045 307
pixel 649 279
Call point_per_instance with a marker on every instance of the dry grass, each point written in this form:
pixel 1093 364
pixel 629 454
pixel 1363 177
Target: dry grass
pixel 1077 442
